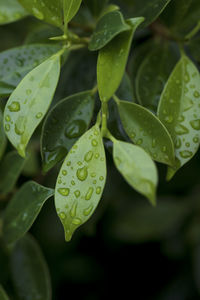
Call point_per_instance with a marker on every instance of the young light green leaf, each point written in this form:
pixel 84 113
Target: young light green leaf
pixel 146 130
pixel 10 170
pixel 3 295
pixel 71 7
pixel 153 74
pixel 64 124
pixel 30 101
pixel 3 140
pixel 108 27
pixel 23 209
pixel 81 181
pixel 11 11
pixel 179 110
pixel 137 167
pixel 112 61
pixel 17 62
pixel 34 280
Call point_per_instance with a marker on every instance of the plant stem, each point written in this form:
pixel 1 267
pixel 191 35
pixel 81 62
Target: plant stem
pixel 193 32
pixel 104 111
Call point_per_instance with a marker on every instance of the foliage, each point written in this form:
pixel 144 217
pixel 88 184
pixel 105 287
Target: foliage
pixel 88 76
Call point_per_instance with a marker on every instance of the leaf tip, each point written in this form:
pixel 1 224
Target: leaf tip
pixel 21 150
pixel 170 173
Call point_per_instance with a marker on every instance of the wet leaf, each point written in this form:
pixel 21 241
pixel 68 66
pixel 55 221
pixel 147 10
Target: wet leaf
pixel 96 6
pixel 112 61
pixel 11 11
pixel 17 62
pixel 137 167
pixel 81 181
pixel 179 110
pixel 153 74
pixel 3 295
pixel 10 170
pixel 30 101
pixel 64 124
pixel 50 11
pixel 23 209
pixel 3 140
pixel 34 280
pixel 146 130
pixel 108 27
pixel 71 7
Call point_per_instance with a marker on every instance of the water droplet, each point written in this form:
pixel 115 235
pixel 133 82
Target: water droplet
pixel 73 210
pixel 196 94
pixel 77 193
pixel 14 107
pixel 68 163
pixel 139 142
pixel 154 143
pixel 93 174
pixel 164 149
pixel 171 101
pixel 101 178
pixel 177 143
pixel 75 129
pixel 88 156
pixel 82 173
pixel 94 181
pixel 94 142
pixel 39 115
pixel 63 191
pixel 62 215
pixel 181 118
pixel 76 221
pixel 7 127
pixel 187 144
pixel 132 135
pixel 73 182
pixel 195 124
pixel 96 132
pixel 186 154
pixel 20 125
pixel 28 92
pixel 98 190
pixel 64 172
pixel 7 118
pixel 88 210
pixel 180 129
pixel 97 155
pixel 169 119
pixel 196 139
pixel 89 193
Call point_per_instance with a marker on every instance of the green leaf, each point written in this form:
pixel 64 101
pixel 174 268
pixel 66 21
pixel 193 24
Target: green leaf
pixel 66 122
pixel 30 101
pixel 137 167
pixel 179 110
pixel 50 11
pixel 17 62
pixel 96 6
pixel 11 11
pixel 194 46
pixel 3 295
pixel 81 181
pixel 41 34
pixel 146 130
pixel 23 209
pixel 125 90
pixel 153 74
pixel 3 140
pixel 34 280
pixel 108 27
pixel 10 170
pixel 112 61
pixel 71 7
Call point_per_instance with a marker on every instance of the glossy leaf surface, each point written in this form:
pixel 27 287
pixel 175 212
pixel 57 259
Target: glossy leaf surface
pixel 23 209
pixel 70 9
pixel 64 124
pixel 153 75
pixel 10 170
pixel 11 11
pixel 30 101
pixel 3 140
pixel 137 167
pixel 34 280
pixel 17 62
pixel 81 181
pixel 50 11
pixel 112 61
pixel 179 110
pixel 146 130
pixel 3 295
pixel 109 26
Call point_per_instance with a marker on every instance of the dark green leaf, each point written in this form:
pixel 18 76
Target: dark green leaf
pixel 108 27
pixel 179 110
pixel 11 11
pixel 23 209
pixel 125 90
pixel 70 9
pixel 34 280
pixel 194 46
pixel 81 181
pixel 42 33
pixel 65 123
pixel 137 167
pixel 112 61
pixel 3 295
pixel 17 62
pixel 3 140
pixel 10 169
pixel 153 74
pixel 96 6
pixel 146 130
pixel 30 101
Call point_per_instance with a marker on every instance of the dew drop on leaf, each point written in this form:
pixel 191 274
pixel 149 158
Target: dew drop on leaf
pixel 15 106
pixel 63 191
